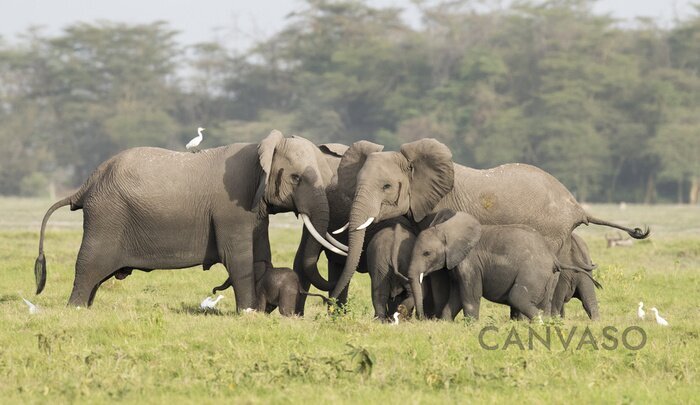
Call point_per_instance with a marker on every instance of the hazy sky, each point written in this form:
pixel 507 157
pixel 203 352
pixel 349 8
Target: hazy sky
pixel 237 21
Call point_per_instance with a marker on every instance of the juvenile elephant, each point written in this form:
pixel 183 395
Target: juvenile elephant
pixel 506 264
pixel 151 208
pixel 422 179
pixel 388 253
pixel 577 284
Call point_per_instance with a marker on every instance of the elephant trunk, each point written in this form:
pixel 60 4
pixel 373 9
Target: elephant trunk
pixel 362 210
pixel 308 261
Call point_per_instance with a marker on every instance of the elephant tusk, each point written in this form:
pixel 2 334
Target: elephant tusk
pixel 366 224
pixel 335 242
pixel 341 230
pixel 318 237
pixel 420 278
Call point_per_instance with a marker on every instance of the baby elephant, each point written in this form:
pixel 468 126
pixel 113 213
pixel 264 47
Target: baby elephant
pixel 278 287
pixel 506 264
pixel 577 284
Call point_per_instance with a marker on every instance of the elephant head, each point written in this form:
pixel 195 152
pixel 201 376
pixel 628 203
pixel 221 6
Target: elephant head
pixel 294 178
pixel 391 184
pixel 443 245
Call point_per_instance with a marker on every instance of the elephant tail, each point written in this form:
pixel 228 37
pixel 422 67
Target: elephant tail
pixel 636 233
pixel 326 300
pixel 40 264
pixel 222 287
pixel 584 270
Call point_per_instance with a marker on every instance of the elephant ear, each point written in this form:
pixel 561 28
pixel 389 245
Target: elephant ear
pixel 333 149
pixel 351 163
pixel 442 216
pixel 266 150
pixel 460 234
pixel 432 174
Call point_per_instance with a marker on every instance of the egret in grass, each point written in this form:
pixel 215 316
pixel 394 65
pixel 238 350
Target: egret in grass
pixel 33 309
pixel 661 321
pixel 640 312
pixel 210 303
pixel 192 145
pixel 395 318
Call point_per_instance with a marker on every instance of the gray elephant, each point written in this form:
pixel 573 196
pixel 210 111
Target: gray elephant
pixel 577 284
pixel 151 208
pixel 506 264
pixel 340 195
pixel 388 253
pixel 422 179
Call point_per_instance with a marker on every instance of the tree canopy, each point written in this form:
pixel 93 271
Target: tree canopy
pixel 609 109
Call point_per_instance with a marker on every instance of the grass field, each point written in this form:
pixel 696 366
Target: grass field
pixel 145 340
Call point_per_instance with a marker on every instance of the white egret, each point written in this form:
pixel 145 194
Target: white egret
pixel 395 318
pixel 661 321
pixel 33 309
pixel 640 312
pixel 192 145
pixel 210 303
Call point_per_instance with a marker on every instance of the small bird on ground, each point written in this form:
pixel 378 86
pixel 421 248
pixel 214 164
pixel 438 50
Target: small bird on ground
pixel 395 319
pixel 210 303
pixel 33 309
pixel 661 321
pixel 640 312
pixel 192 145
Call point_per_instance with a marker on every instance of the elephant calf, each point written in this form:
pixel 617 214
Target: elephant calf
pixel 506 264
pixel 577 284
pixel 388 253
pixel 277 287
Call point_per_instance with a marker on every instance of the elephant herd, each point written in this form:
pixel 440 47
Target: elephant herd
pixel 434 236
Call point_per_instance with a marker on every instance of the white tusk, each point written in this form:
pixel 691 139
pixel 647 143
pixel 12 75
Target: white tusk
pixel 317 236
pixel 341 230
pixel 420 279
pixel 366 224
pixel 335 242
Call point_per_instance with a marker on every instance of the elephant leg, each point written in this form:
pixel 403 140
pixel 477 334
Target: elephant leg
pixel 304 281
pixel 546 304
pixel 287 302
pixel 440 291
pixel 93 266
pixel 380 298
pixel 515 315
pixel 519 297
pixel 262 303
pixel 585 291
pixel 562 293
pixel 454 304
pixel 470 285
pixel 236 252
pixel 269 308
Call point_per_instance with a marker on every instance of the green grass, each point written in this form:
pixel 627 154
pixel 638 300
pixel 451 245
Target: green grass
pixel 145 338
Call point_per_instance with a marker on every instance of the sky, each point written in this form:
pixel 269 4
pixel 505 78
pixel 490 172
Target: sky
pixel 239 22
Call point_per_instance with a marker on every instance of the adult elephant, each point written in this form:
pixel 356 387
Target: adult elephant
pixel 151 208
pixel 422 179
pixel 347 163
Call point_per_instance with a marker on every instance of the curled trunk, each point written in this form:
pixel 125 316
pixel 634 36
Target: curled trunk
pixel 362 209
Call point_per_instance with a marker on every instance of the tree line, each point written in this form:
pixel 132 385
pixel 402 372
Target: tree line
pixel 610 109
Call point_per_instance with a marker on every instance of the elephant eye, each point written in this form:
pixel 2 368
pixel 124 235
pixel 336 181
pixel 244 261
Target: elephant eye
pixel 295 178
pixel 386 186
pixel 426 253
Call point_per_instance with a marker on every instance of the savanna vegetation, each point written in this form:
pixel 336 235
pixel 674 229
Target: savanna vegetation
pixel 608 108
pixel 146 339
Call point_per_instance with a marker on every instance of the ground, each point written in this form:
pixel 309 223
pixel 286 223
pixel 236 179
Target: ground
pixel 146 339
